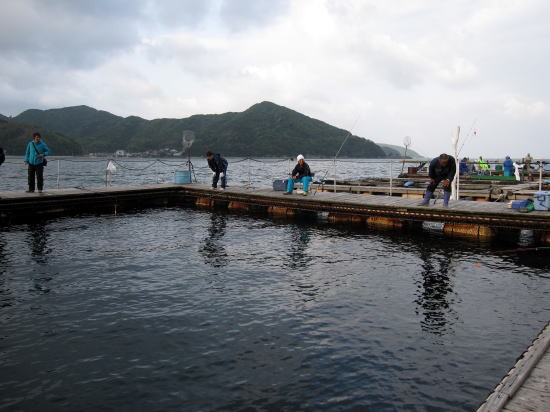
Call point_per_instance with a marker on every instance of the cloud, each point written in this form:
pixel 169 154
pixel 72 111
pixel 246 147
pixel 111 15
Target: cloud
pixel 520 108
pixel 406 67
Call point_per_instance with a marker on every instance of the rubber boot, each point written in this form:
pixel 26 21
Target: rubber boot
pixel 446 198
pixel 426 199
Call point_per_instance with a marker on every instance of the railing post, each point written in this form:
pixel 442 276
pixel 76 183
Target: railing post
pixel 248 173
pixel 540 174
pixel 58 169
pixel 391 177
pixel 334 182
pixel 157 171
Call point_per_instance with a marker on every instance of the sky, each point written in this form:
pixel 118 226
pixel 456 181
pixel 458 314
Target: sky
pixel 381 69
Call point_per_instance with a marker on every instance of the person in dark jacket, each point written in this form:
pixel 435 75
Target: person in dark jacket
pixel 35 155
pixel 2 156
pixel 219 169
pixel 464 168
pixel 300 173
pixel 442 169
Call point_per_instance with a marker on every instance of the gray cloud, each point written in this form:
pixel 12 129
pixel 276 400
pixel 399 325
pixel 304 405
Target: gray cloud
pixel 406 67
pixel 77 34
pixel 241 15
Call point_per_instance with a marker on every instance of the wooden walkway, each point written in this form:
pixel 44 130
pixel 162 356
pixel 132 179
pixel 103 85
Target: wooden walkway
pixel 526 387
pixel 461 211
pixel 470 192
pixel 17 206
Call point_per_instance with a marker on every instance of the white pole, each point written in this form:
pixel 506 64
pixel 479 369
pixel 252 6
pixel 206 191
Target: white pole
pixel 249 172
pixel 391 178
pixel 58 168
pixel 455 182
pixel 334 164
pixel 540 175
pixel 157 171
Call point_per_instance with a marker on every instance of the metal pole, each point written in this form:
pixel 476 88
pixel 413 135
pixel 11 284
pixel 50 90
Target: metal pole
pixel 58 168
pixel 249 172
pixel 334 165
pixel 391 178
pixel 157 171
pixel 540 175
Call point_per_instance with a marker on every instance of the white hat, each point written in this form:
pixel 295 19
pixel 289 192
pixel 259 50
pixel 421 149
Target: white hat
pixel 300 157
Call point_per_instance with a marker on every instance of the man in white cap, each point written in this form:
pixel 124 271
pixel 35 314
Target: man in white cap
pixel 300 173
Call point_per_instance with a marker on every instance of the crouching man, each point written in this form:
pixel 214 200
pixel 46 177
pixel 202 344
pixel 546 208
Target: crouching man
pixel 300 173
pixel 442 169
pixel 219 169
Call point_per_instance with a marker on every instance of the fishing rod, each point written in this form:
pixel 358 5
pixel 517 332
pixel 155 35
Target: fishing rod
pixel 467 136
pixel 336 155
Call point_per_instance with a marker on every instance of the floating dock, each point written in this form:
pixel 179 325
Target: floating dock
pixel 461 218
pixel 526 387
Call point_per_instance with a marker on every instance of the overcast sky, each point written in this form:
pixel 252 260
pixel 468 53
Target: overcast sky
pixel 384 69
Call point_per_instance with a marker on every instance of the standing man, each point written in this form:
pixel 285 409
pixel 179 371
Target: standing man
pixel 35 159
pixel 300 173
pixel 508 166
pixel 442 169
pixel 527 166
pixel 219 169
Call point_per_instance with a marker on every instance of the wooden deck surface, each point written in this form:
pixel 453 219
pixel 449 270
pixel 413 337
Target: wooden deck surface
pixel 526 387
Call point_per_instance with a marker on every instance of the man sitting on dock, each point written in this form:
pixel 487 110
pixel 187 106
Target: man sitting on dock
pixel 219 169
pixel 300 173
pixel 464 168
pixel 442 169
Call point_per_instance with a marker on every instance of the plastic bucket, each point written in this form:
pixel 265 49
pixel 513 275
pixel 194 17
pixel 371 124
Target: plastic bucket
pixel 182 176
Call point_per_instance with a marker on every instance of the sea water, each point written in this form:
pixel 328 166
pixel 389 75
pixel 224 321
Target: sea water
pixel 181 309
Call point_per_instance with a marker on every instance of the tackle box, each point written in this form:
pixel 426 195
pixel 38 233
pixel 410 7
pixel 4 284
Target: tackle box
pixel 542 200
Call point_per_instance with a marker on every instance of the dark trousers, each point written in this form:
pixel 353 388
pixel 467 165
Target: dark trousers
pixel 433 186
pixel 215 179
pixel 38 172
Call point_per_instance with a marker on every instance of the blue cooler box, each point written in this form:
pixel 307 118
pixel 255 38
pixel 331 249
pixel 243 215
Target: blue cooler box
pixel 182 176
pixel 542 200
pixel 518 204
pixel 279 185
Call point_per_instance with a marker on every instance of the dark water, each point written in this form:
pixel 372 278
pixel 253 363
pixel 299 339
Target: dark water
pixel 187 310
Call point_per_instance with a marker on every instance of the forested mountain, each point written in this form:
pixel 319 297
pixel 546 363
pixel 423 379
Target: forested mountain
pixel 265 129
pixel 395 151
pixel 14 138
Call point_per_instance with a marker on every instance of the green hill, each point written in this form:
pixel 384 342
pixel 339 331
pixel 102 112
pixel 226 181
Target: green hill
pixel 395 151
pixel 265 129
pixel 15 136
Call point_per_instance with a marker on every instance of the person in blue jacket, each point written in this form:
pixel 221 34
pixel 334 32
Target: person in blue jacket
pixel 508 166
pixel 442 169
pixel 35 159
pixel 219 169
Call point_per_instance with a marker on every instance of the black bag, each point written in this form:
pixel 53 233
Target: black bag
pixel 44 160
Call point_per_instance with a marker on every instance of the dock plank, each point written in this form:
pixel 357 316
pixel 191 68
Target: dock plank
pixel 526 386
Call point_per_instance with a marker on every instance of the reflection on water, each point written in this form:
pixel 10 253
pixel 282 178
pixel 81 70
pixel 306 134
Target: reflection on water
pixel 6 296
pixel 37 238
pixel 212 249
pixel 434 289
pixel 298 254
